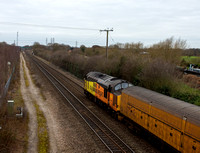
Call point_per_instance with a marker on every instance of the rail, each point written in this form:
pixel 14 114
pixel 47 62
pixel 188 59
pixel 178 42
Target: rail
pixel 105 134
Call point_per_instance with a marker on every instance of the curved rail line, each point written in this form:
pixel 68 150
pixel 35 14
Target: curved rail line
pixel 105 134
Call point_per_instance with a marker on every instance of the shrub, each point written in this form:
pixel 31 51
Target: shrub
pixel 10 54
pixel 155 70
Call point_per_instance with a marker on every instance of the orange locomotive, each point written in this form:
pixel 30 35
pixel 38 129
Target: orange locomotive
pixel 105 89
pixel 173 121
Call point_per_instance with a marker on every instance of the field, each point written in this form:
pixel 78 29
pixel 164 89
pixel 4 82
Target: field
pixel 191 60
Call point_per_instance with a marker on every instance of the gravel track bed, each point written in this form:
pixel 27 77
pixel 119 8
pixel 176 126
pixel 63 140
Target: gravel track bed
pixel 77 126
pixel 71 134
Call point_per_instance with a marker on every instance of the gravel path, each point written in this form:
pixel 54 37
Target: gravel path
pixel 32 94
pixel 26 94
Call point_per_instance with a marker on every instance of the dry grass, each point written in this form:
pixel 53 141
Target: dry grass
pixel 192 80
pixel 25 75
pixel 43 137
pixel 35 82
pixel 7 134
pixel 7 53
pixel 14 132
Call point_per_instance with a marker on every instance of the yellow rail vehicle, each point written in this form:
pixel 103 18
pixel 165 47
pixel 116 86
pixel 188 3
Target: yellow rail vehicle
pixel 173 121
pixel 105 89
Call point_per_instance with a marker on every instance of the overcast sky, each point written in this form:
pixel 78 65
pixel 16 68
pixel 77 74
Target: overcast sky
pixel 147 21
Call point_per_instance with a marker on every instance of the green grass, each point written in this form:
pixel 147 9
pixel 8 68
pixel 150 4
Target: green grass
pixel 25 75
pixel 18 98
pixel 42 132
pixel 191 59
pixel 186 93
pixel 43 137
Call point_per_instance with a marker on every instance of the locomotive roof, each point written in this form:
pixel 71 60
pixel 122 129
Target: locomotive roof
pixel 103 79
pixel 171 105
pixel 98 75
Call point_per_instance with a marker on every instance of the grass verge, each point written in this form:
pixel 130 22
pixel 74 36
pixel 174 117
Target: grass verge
pixel 22 123
pixel 43 137
pixel 14 132
pixel 37 84
pixel 42 131
pixel 25 75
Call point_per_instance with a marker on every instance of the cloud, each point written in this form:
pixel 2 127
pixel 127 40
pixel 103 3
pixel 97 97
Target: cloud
pixel 132 20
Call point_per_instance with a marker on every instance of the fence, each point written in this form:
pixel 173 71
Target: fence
pixel 9 57
pixel 5 90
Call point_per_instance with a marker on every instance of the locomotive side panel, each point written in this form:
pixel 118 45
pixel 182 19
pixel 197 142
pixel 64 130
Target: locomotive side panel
pixel 117 106
pixel 167 118
pixel 165 132
pixel 192 130
pixel 190 145
pixel 143 113
pixel 115 102
pixel 134 109
pixel 101 93
pixel 123 106
pixel 90 87
pixel 138 111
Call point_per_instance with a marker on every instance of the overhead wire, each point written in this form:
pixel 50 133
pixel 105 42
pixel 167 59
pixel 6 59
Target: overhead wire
pixel 47 26
pixel 58 27
pixel 112 39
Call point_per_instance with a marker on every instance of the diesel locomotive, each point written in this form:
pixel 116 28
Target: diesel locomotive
pixel 173 121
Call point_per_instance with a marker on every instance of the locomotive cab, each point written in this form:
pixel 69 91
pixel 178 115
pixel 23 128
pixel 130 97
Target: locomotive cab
pixel 122 85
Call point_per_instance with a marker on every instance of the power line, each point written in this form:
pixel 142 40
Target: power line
pixel 17 38
pixel 107 31
pixel 112 39
pixel 47 26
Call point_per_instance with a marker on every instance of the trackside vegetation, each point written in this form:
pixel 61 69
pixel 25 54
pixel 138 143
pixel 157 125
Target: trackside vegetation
pixel 43 137
pixel 14 130
pixel 25 75
pixel 153 67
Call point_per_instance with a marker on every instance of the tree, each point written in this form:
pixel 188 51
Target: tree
pixel 82 47
pixel 169 49
pixel 36 45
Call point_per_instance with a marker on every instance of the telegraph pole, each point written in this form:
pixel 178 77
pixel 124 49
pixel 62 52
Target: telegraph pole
pixel 46 41
pixel 107 31
pixel 17 38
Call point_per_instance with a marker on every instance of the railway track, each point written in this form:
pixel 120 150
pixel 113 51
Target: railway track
pixel 103 132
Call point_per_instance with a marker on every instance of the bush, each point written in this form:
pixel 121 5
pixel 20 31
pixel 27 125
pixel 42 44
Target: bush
pixel 82 47
pixel 186 93
pixel 7 54
pixel 155 70
pixel 7 135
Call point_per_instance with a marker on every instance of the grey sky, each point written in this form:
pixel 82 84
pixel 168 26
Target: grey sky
pixel 147 21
